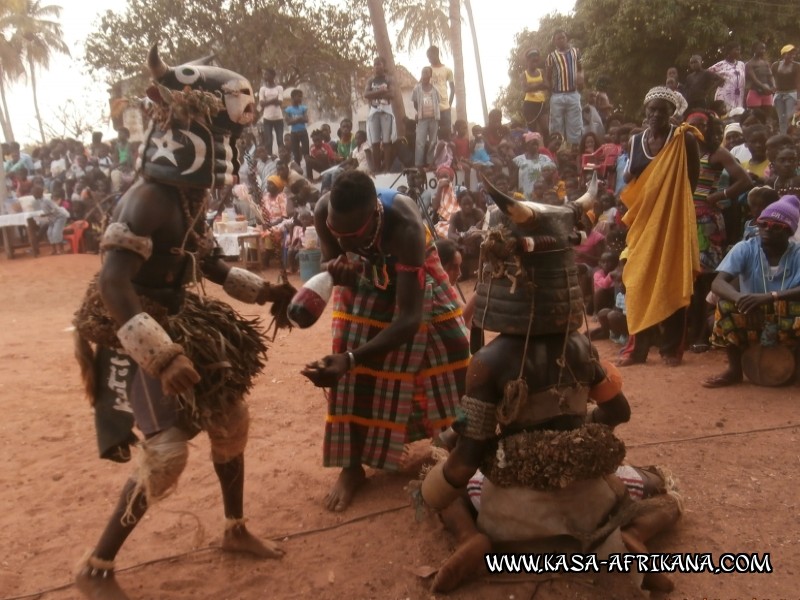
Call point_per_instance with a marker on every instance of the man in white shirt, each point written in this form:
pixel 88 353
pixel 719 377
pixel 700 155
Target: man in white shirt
pixel 270 101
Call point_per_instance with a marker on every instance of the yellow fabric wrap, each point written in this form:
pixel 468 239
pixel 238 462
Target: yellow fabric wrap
pixel 662 240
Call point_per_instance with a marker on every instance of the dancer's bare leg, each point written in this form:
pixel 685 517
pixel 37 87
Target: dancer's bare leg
pixel 472 546
pixel 96 578
pixel 237 538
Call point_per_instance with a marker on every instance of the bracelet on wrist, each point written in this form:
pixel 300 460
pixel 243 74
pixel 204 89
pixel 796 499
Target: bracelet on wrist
pixel 351 360
pixel 774 296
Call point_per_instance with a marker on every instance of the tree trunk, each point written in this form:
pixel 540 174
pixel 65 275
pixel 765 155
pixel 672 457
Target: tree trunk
pixel 458 59
pixel 468 6
pixel 384 45
pixel 32 68
pixel 5 118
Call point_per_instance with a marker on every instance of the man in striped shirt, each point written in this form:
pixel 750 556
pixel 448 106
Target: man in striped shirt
pixel 564 75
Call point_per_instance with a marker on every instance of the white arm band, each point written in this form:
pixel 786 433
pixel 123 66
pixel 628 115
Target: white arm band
pixel 146 342
pixel 244 285
pixel 118 236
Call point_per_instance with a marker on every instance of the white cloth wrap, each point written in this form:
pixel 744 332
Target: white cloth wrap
pixel 243 285
pixel 146 342
pixel 119 236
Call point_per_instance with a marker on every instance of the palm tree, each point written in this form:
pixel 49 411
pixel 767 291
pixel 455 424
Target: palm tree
pixel 12 66
pixel 458 59
pixel 384 44
pixel 423 22
pixel 38 35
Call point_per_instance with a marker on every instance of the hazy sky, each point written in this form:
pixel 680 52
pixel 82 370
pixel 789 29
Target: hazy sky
pixel 496 21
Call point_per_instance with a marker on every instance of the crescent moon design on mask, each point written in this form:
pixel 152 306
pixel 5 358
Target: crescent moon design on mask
pixel 199 151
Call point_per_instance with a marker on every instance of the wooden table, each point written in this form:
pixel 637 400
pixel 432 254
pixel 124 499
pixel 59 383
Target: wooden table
pixel 21 219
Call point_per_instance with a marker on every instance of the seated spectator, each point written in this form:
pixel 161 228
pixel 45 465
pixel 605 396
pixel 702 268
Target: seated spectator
pixel 764 308
pixel 54 217
pixel 23 185
pixel 755 138
pixel 529 165
pixel 465 230
pixel 320 157
pixel 362 152
pixel 613 323
pixel 757 200
pixel 733 140
pixel 444 202
pixel 451 260
pixel 785 180
pixel 775 144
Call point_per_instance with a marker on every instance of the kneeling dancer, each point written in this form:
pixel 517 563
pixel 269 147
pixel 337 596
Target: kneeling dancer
pixel 547 458
pixel 183 362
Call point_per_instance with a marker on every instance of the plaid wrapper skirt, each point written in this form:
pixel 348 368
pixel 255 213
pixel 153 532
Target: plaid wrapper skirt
pixel 732 328
pixel 406 395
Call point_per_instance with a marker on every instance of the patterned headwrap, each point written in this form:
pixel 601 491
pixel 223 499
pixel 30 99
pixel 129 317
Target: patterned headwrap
pixel 447 171
pixel 661 93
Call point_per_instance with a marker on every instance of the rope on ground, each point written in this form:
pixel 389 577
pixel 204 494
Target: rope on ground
pixel 287 536
pixel 713 436
pixel 297 534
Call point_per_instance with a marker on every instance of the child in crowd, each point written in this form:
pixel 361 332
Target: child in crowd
pixel 755 137
pixel 603 296
pixel 613 323
pixel 320 156
pixel 479 155
pixel 295 230
pixel 296 118
pixel 757 200
pixel 444 155
pixel 775 144
pixel 551 181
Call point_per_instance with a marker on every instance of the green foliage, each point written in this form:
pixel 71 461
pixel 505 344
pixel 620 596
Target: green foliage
pixel 633 43
pixel 316 43
pixel 424 23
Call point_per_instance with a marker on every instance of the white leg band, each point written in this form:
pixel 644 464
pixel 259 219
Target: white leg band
pixel 244 285
pixel 146 342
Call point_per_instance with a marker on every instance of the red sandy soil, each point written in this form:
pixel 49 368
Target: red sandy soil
pixel 739 478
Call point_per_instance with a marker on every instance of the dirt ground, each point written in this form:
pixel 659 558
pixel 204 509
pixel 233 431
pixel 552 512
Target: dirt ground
pixel 735 452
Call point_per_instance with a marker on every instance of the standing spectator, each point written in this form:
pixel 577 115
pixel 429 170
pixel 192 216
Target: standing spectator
pixel 270 101
pixel 732 70
pixel 699 82
pixel 760 81
pixel 787 85
pixel 564 72
pixel 535 93
pixel 442 78
pixel 296 118
pixel 381 126
pixel 663 254
pixel 672 83
pixel 425 98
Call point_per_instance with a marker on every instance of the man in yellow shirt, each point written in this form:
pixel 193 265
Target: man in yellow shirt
pixel 442 76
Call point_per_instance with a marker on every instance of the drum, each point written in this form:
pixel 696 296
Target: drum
pixel 768 365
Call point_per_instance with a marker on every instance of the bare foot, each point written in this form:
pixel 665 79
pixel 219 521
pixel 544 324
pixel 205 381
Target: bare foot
pixel 99 584
pixel 340 497
pixel 724 379
pixel 465 562
pixel 238 539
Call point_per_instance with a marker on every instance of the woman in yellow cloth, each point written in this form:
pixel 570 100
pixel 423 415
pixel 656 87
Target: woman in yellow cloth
pixel 663 254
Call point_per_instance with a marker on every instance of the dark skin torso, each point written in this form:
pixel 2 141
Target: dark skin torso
pixel 151 210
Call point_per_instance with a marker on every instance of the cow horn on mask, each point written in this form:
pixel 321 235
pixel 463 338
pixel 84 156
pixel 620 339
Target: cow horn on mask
pixel 520 213
pixel 158 68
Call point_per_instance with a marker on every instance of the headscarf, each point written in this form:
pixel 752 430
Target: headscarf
pixel 533 135
pixel 731 128
pixel 447 172
pixel 661 93
pixel 786 49
pixel 279 183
